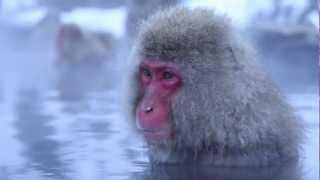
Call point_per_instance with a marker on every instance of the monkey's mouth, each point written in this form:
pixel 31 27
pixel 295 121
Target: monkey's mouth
pixel 156 134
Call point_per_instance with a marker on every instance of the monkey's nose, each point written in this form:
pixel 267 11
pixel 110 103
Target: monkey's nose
pixel 148 109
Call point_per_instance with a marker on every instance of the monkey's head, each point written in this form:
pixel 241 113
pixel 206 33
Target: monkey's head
pixel 76 46
pixel 199 89
pixel 182 55
pixel 83 60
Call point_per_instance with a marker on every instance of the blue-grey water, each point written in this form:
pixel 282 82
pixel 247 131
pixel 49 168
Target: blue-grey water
pixel 44 136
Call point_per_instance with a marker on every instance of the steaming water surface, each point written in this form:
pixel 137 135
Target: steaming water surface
pixel 46 137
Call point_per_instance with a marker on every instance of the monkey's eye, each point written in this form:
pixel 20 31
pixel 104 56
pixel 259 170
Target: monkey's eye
pixel 146 72
pixel 167 75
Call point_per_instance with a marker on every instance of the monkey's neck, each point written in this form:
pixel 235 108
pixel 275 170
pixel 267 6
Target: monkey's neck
pixel 166 152
pixel 216 155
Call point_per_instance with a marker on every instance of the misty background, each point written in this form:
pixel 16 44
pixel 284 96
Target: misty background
pixel 62 68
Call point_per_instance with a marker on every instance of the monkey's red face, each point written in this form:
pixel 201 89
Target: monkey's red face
pixel 159 82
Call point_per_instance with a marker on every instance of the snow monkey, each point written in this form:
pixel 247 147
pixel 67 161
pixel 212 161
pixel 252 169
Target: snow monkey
pixel 201 97
pixel 84 60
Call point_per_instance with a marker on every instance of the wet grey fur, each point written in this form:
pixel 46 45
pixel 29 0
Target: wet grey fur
pixel 228 112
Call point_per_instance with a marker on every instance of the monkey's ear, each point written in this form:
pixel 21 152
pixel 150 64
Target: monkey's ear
pixel 68 33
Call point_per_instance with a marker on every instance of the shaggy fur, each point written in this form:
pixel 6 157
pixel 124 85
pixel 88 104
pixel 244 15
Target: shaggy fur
pixel 228 112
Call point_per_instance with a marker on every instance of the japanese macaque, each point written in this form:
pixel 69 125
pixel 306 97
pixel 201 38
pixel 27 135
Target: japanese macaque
pixel 82 60
pixel 201 97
